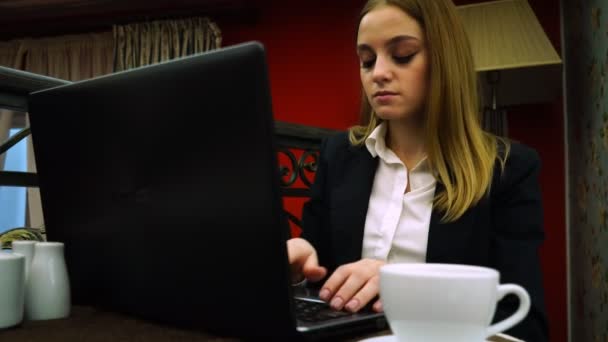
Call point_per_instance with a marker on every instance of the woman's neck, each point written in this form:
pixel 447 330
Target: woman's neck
pixel 406 140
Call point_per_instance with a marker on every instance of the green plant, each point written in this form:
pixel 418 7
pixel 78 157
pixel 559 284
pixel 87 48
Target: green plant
pixel 23 233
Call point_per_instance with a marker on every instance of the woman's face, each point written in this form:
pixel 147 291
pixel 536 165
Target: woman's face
pixel 394 63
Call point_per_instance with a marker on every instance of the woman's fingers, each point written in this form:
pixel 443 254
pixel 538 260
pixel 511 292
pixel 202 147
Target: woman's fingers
pixel 303 261
pixel 368 292
pixel 298 250
pixel 346 293
pixel 311 269
pixel 378 306
pixel 353 293
pixel 352 286
pixel 333 284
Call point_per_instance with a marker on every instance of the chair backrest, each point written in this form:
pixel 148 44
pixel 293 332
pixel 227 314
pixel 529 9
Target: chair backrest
pixel 298 148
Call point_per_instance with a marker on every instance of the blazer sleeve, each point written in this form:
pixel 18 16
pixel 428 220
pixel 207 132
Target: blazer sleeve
pixel 314 213
pixel 518 223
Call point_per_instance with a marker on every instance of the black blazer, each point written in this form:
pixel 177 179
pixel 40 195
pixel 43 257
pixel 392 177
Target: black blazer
pixel 503 231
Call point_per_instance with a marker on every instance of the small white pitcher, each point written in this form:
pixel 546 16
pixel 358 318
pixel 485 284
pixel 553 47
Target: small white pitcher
pixel 47 293
pixel 25 248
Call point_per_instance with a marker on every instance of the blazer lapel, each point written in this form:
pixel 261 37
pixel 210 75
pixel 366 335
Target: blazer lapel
pixel 447 241
pixel 354 193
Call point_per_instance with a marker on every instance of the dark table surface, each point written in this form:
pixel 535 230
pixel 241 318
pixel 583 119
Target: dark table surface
pixel 93 325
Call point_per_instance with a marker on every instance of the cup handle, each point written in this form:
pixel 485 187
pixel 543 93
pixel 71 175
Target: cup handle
pixel 520 314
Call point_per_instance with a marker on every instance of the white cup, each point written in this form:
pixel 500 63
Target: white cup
pixel 439 302
pixel 12 287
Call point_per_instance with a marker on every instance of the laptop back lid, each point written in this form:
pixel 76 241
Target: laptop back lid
pixel 163 183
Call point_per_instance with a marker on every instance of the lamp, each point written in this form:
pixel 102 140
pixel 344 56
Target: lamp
pixel 516 62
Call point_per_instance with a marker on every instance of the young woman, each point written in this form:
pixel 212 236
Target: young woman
pixel 420 181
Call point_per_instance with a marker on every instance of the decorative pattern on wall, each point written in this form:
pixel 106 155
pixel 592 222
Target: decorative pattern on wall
pixel 586 30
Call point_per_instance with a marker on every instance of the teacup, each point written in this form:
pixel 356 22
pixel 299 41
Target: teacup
pixel 12 287
pixel 439 302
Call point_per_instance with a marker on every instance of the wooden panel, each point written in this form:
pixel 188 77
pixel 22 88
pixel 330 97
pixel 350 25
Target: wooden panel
pixel 21 18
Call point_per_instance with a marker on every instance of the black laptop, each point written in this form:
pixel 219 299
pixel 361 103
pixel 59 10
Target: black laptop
pixel 163 184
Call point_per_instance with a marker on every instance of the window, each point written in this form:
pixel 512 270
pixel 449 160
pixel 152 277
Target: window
pixel 13 199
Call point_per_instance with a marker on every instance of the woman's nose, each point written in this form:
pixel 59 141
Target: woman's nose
pixel 382 70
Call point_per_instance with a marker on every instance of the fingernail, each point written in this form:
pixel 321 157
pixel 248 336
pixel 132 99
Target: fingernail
pixel 324 294
pixel 336 303
pixel 378 307
pixel 352 305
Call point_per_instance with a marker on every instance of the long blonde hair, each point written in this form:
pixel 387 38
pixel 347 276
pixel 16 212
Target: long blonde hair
pixel 460 153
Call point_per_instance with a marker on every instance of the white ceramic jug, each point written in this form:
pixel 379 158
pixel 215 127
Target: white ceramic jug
pixel 25 248
pixel 48 288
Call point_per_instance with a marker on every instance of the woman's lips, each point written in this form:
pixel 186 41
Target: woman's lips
pixel 384 96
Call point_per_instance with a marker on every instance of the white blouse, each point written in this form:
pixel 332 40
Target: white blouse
pixel 397 223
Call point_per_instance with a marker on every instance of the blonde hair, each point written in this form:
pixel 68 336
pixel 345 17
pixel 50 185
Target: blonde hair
pixel 460 153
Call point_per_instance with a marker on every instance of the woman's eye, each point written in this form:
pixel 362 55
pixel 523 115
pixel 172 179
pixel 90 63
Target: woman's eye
pixel 368 63
pixel 404 59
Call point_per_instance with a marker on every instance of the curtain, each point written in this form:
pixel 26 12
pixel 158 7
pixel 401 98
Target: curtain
pixel 79 57
pixel 9 52
pixel 74 58
pixel 147 43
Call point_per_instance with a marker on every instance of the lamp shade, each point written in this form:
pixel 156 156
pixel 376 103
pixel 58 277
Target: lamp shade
pixel 506 36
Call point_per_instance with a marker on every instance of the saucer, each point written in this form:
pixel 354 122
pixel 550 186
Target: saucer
pixel 387 338
pixel 392 338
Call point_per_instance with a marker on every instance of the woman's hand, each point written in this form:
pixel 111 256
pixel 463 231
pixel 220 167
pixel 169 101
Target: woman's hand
pixel 303 261
pixel 353 285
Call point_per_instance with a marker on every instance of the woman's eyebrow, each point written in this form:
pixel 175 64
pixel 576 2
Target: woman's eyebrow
pixel 364 48
pixel 401 38
pixel 390 42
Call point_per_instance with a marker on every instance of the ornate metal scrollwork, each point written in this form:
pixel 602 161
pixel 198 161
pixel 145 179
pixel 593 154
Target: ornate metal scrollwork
pixel 291 171
pixel 298 168
pixel 307 140
pixel 291 217
pixel 310 166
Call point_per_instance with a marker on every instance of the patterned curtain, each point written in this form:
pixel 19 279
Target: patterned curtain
pixel 9 52
pixel 147 43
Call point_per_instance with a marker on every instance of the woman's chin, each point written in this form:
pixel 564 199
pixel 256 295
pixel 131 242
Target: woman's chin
pixel 391 115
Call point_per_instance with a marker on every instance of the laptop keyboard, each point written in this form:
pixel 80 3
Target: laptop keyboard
pixel 313 312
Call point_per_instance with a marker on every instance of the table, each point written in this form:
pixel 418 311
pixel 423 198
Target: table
pixel 94 325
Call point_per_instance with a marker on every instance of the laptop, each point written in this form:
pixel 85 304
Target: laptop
pixel 163 184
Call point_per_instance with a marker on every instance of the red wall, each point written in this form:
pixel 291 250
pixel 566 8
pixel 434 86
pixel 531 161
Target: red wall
pixel 313 66
pixel 314 79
